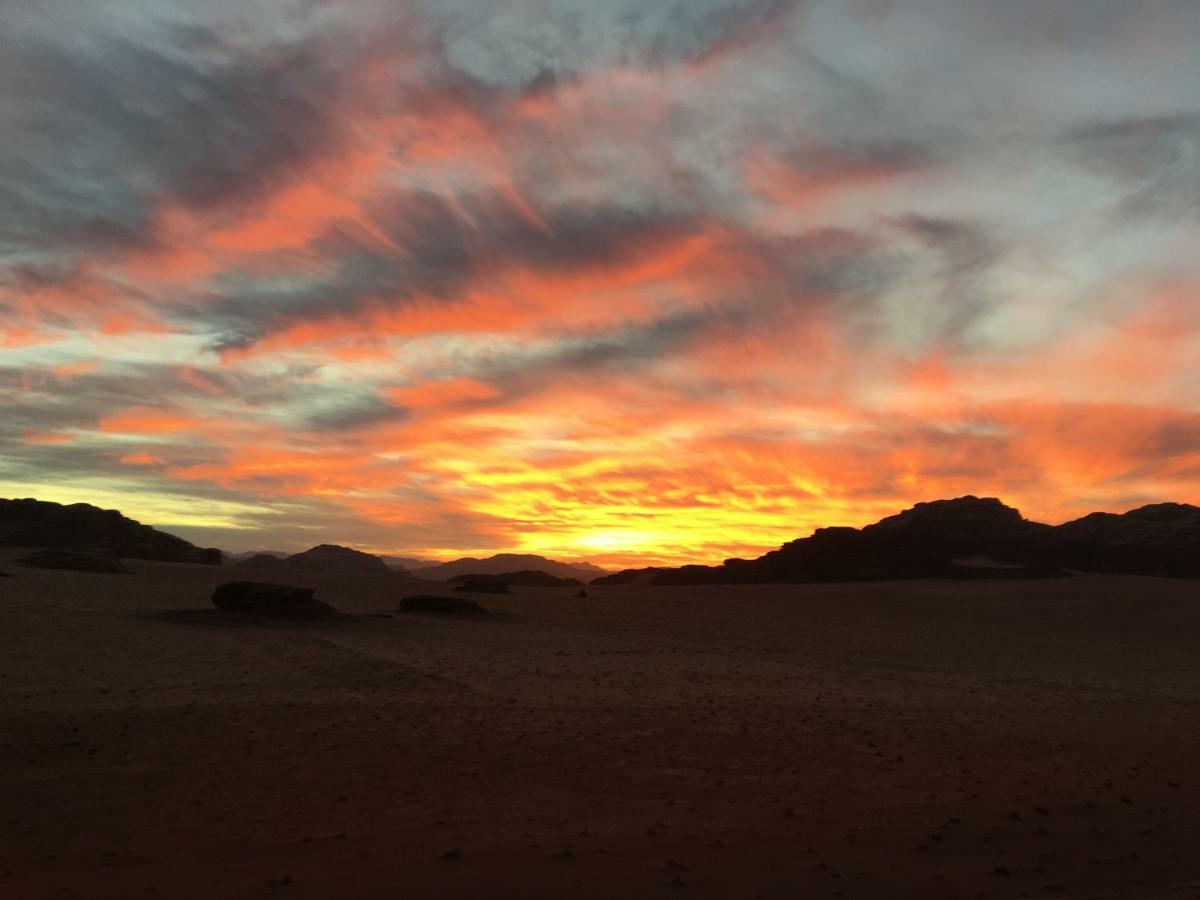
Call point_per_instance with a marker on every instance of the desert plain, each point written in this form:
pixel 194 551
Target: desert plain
pixel 922 739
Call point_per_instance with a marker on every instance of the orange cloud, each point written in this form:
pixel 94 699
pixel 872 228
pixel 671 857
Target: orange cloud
pixel 141 458
pixel 149 420
pixel 47 437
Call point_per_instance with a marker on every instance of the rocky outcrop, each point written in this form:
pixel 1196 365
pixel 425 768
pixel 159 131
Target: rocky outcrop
pixel 80 526
pixel 442 606
pixel 279 601
pixel 951 537
pixel 921 542
pixel 74 561
pixel 1161 539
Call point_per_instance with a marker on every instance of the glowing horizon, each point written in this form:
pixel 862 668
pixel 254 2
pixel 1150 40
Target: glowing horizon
pixel 624 282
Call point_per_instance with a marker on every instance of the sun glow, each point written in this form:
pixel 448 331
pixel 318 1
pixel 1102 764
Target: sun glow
pixel 622 540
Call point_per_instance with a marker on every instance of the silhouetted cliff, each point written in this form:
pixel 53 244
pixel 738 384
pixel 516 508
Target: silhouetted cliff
pixel 927 540
pixel 80 526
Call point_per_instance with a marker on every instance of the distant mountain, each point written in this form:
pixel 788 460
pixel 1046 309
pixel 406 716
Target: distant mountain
pixel 508 562
pixel 333 558
pixel 80 526
pixel 325 559
pixel 963 537
pixel 246 554
pixel 260 561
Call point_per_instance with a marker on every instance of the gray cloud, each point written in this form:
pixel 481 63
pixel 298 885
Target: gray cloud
pixel 513 45
pixel 104 124
pixel 442 253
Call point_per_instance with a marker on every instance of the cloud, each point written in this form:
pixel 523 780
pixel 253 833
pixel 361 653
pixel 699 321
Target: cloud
pixel 111 123
pixel 518 46
pixel 621 280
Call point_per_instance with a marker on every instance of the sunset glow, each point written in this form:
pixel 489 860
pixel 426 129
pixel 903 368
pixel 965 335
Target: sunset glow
pixel 624 282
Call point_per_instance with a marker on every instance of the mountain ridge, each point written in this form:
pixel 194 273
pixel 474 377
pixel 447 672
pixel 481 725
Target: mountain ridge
pixel 26 522
pixel 502 563
pixel 931 538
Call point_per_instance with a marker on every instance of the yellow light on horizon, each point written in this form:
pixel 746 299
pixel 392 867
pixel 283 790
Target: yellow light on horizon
pixel 615 540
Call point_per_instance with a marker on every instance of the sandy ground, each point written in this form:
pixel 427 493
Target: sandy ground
pixel 923 739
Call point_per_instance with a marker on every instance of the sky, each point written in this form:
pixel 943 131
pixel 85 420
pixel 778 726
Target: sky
pixel 631 281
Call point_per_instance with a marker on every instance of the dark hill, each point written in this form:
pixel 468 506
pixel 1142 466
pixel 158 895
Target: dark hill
pixel 508 562
pixel 926 541
pixel 332 559
pixel 80 526
pixel 1162 539
pixel 921 542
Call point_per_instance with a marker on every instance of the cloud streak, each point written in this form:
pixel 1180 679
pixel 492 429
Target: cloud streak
pixel 643 281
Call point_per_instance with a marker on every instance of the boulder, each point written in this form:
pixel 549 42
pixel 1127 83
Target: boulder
pixel 73 561
pixel 270 600
pixel 443 606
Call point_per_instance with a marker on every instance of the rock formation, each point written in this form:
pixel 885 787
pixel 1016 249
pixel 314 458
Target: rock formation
pixel 940 538
pixel 80 526
pixel 1162 539
pixel 325 559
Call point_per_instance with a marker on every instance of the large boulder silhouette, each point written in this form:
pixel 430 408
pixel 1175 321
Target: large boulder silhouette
pixel 270 600
pixel 74 561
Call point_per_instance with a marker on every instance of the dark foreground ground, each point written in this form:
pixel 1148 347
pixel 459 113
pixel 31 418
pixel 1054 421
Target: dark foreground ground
pixel 927 739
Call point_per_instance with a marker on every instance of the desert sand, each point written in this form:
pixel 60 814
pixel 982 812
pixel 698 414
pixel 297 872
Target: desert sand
pixel 908 739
